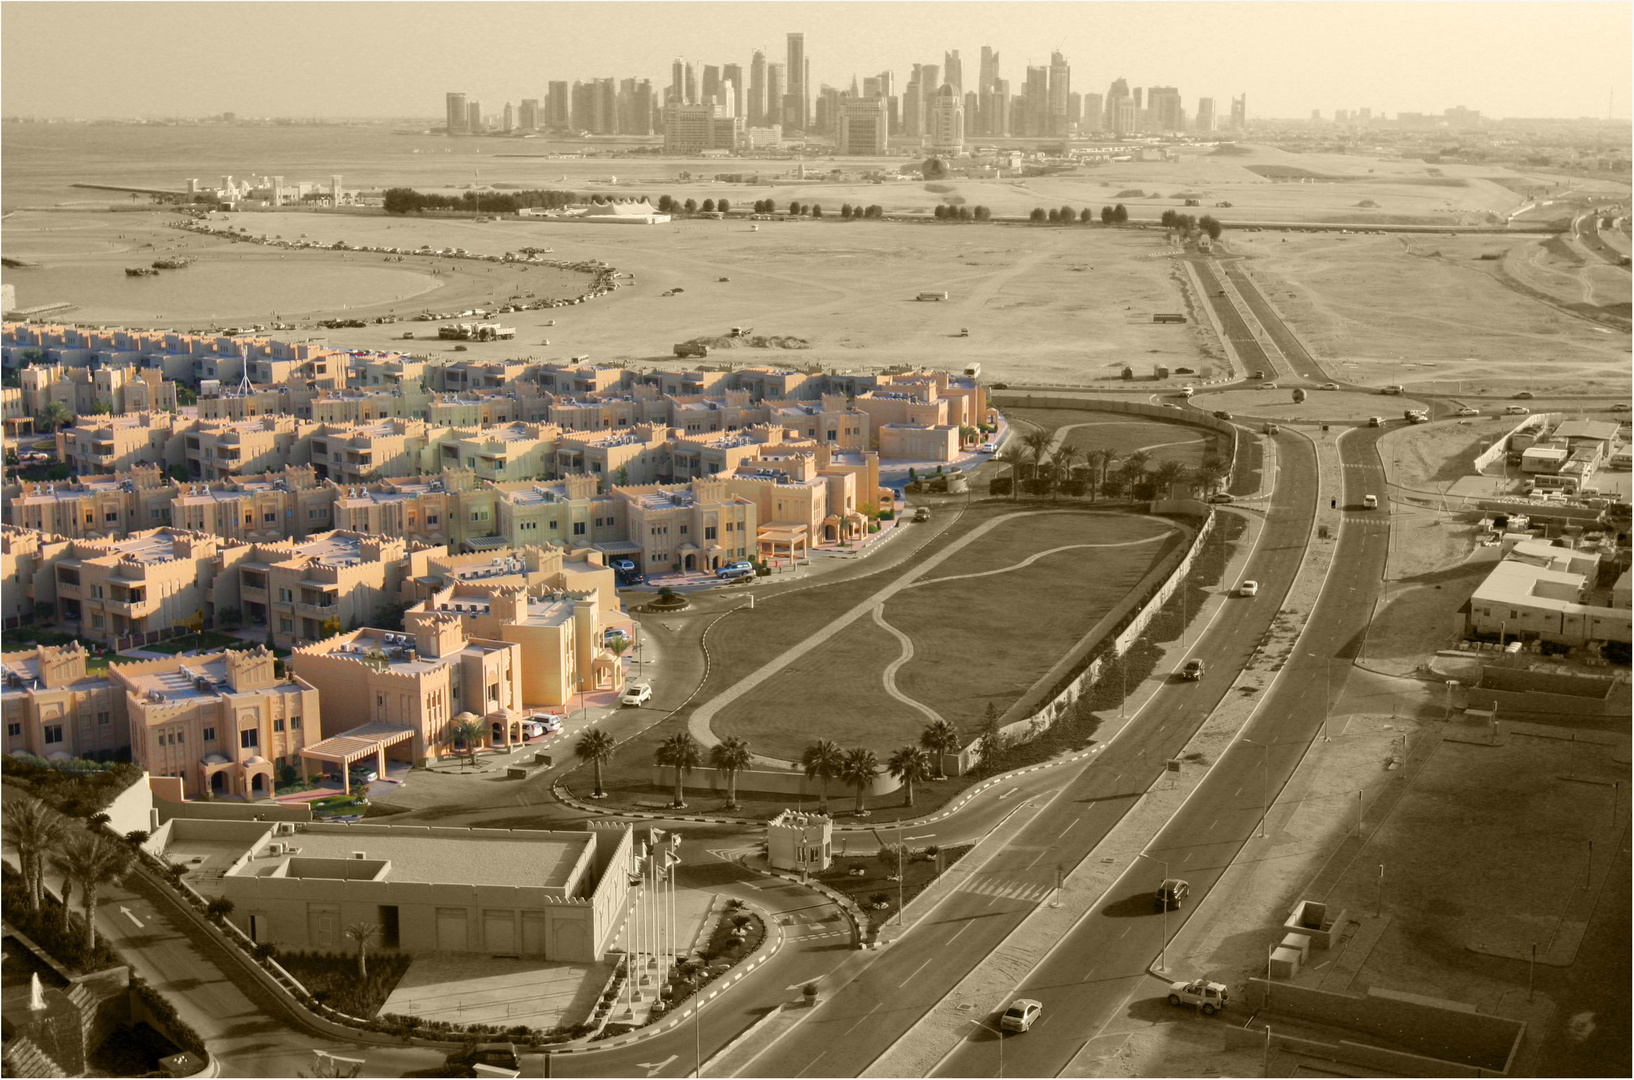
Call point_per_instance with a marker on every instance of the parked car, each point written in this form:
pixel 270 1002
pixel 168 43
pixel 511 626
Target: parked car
pixel 1021 1014
pixel 1208 996
pixel 1621 406
pixel 623 566
pixel 549 722
pixel 636 694
pixel 736 569
pixel 1249 588
pixel 614 633
pixel 1193 670
pixel 729 575
pixel 363 774
pixel 1171 894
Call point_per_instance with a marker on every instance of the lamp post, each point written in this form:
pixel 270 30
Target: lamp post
pixel 1265 780
pixel 1163 945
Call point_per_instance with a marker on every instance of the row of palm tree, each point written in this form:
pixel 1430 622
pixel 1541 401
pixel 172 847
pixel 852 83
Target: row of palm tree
pixel 87 858
pixel 1069 467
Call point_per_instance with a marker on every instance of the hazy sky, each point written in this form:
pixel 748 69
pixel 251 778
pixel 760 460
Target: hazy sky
pixel 1523 58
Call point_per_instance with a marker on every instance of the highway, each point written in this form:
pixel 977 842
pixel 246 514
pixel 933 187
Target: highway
pixel 1088 977
pixel 859 1021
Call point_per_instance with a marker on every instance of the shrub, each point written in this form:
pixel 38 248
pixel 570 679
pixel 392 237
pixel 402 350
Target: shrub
pixel 161 1010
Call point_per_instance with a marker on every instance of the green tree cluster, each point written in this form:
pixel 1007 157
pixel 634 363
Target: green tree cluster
pixel 404 200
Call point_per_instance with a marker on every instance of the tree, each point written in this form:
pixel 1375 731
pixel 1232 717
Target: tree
pixel 1097 459
pixel 1014 457
pixel 1084 216
pixel 1169 473
pixel 1209 225
pixel 822 761
pixel 690 205
pixel 1054 216
pixel 93 861
pixel 596 747
pixel 845 211
pixel 1038 444
pixel 1068 215
pixel 362 933
pixel 1210 471
pixel 54 415
pixel 1120 214
pixel 682 753
pixel 708 206
pixel 1066 456
pixel 964 213
pixel 1112 486
pixel 465 731
pixel 665 204
pixel 723 206
pixel 34 830
pixel 940 739
pixel 1037 215
pixel 1107 215
pixel 858 768
pixel 794 209
pixel 816 210
pixel 933 169
pixel 908 764
pixel 992 740
pixel 731 756
pixel 982 213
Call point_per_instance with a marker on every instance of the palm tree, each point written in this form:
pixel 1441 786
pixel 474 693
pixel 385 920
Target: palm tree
pixel 1210 471
pixel 730 756
pixel 55 415
pixel 822 761
pixel 908 764
pixel 1169 473
pixel 1064 460
pixel 682 753
pixel 362 933
pixel 596 747
pixel 1133 469
pixel 858 768
pixel 33 829
pixel 1038 444
pixel 63 864
pixel 94 860
pixel 464 730
pixel 1014 457
pixel 940 738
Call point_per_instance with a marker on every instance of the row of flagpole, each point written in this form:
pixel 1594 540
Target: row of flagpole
pixel 652 924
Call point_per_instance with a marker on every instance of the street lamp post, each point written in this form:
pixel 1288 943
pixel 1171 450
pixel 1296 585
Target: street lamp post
pixel 1265 781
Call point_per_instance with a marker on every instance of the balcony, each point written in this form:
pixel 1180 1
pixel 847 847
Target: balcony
pixel 132 609
pixel 317 611
pixel 251 593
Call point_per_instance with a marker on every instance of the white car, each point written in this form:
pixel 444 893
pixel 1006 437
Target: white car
pixel 1249 588
pixel 987 448
pixel 1328 386
pixel 614 633
pixel 548 722
pixel 1208 996
pixel 1021 1014
pixel 1468 410
pixel 636 694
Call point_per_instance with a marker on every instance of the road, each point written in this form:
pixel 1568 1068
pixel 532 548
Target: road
pixel 859 1021
pixel 1087 979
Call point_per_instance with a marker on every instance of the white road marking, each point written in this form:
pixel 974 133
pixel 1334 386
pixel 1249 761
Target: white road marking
pixel 915 971
pixel 860 1019
pixel 1068 828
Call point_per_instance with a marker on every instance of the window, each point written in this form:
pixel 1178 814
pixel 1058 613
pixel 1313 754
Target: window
pixel 709 532
pixel 684 529
pixel 209 734
pixel 96 591
pixel 270 516
pixel 286 595
pixel 295 723
pixel 286 625
pixel 111 515
pixel 431 519
pixel 578 528
pixel 249 739
pixel 555 525
pixel 179 738
pixel 277 725
pixel 102 718
pixel 493 691
pixel 53 734
pixel 97 622
pixel 14 731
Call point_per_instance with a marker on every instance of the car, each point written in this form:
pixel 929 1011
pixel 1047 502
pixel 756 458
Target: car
pixel 1192 671
pixel 1170 405
pixel 1187 391
pixel 1621 406
pixel 1516 410
pixel 1394 388
pixel 729 575
pixel 363 774
pixel 1370 502
pixel 1468 410
pixel 1271 386
pixel 531 729
pixel 1021 1015
pixel 1259 374
pixel 1328 386
pixel 1375 421
pixel 614 633
pixel 548 723
pixel 1249 588
pixel 922 514
pixel 1220 497
pixel 742 566
pixel 999 386
pixel 636 694
pixel 494 1055
pixel 623 566
pixel 987 448
pixel 1221 414
pixel 1208 996
pixel 1524 395
pixel 1272 429
pixel 1171 894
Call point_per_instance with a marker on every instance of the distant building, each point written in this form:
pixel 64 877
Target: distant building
pixel 863 127
pixel 55 710
pixel 459 115
pixel 945 129
pixel 694 129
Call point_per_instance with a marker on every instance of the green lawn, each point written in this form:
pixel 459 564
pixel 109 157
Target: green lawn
pixel 977 640
pixel 206 641
pixel 1121 433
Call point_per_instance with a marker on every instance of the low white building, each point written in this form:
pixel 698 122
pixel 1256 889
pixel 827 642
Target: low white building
pixel 797 841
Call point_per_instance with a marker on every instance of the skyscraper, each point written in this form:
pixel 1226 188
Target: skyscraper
pixel 796 74
pixel 953 72
pixel 973 107
pixel 1120 108
pixel 999 124
pixel 712 85
pixel 1163 108
pixel 733 74
pixel 690 74
pixel 1239 113
pixel 1055 123
pixel 641 105
pixel 558 105
pixel 1205 115
pixel 507 122
pixel 774 96
pixel 528 114
pixel 1037 96
pixel 1093 115
pixel 757 89
pixel 473 113
pixel 989 69
pixel 459 119
pixel 862 125
pixel 945 127
pixel 913 106
pixel 677 80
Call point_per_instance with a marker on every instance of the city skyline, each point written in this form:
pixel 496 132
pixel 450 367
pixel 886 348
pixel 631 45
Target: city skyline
pixel 1503 60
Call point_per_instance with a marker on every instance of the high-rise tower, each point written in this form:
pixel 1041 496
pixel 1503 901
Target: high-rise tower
pixel 953 71
pixel 1059 90
pixel 459 120
pixel 757 89
pixel 796 74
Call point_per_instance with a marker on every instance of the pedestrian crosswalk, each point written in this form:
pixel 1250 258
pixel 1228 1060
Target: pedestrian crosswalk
pixel 1009 888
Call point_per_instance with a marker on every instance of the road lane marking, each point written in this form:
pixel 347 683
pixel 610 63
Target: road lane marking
pixel 1068 828
pixel 915 971
pixel 860 1019
pixel 808 1068
pixel 1126 931
pixel 957 932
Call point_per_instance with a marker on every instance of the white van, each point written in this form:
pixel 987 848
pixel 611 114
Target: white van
pixel 1370 502
pixel 1186 391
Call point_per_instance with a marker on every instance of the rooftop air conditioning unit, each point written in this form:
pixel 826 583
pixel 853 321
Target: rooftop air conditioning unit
pixel 275 848
pixel 360 855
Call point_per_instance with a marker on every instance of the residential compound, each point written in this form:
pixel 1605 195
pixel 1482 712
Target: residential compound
pixel 54 709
